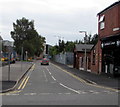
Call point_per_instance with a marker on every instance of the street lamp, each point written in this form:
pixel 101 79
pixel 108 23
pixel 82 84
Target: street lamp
pixel 85 39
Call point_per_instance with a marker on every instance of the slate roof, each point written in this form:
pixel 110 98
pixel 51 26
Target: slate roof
pixel 82 47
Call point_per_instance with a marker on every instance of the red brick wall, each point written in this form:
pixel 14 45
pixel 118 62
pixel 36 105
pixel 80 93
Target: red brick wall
pixel 80 54
pixel 94 66
pixel 119 15
pixel 112 20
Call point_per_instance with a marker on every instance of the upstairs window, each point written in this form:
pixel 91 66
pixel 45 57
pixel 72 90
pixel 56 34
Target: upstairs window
pixel 102 22
pixel 102 25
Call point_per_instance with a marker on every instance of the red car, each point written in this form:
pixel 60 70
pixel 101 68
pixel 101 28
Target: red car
pixel 44 61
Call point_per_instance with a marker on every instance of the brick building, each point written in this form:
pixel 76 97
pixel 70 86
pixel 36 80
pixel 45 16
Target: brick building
pixel 105 55
pixel 79 56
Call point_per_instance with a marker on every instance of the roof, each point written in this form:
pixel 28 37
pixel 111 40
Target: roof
pixel 114 4
pixel 82 47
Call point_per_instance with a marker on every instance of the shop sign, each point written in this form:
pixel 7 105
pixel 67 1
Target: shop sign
pixel 111 43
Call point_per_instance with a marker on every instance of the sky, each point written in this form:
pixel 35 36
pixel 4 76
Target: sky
pixel 53 19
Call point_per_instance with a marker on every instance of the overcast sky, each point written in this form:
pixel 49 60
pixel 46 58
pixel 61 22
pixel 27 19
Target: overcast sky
pixel 64 18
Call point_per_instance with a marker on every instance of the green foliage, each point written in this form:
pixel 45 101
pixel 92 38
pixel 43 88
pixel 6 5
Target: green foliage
pixel 24 34
pixel 69 45
pixel 54 50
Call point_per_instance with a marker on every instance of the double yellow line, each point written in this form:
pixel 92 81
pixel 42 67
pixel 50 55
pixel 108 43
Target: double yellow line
pixel 24 82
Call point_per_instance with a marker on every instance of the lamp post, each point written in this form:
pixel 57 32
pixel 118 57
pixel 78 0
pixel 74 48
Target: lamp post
pixel 85 38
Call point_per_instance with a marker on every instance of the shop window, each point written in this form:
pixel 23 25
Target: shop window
pixel 93 61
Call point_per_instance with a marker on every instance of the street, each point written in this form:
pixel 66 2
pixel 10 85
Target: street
pixel 51 85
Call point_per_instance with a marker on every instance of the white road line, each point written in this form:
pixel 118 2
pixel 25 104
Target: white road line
pixel 30 93
pixel 70 88
pixel 45 76
pixel 48 71
pixel 53 78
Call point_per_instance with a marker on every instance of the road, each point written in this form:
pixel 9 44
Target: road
pixel 51 85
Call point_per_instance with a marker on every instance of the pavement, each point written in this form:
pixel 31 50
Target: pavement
pixel 100 79
pixel 17 71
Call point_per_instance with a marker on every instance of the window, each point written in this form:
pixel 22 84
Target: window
pixel 102 22
pixel 102 25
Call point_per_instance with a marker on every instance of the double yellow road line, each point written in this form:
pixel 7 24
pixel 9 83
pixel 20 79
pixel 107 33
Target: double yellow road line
pixel 24 82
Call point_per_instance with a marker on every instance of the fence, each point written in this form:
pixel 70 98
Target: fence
pixel 66 58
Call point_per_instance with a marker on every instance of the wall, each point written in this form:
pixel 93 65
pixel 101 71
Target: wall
pixel 112 20
pixel 97 66
pixel 77 62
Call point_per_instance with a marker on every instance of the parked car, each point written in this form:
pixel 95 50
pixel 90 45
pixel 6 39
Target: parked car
pixel 45 61
pixel 12 60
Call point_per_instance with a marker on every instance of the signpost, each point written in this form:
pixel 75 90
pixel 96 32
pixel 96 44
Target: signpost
pixel 9 45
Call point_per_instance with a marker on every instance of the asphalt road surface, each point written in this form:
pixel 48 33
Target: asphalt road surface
pixel 51 85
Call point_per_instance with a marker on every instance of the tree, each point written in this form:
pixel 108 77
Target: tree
pixel 69 46
pixel 94 39
pixel 61 46
pixel 54 50
pixel 25 35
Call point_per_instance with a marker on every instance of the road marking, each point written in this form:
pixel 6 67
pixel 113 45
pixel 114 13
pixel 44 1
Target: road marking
pixel 22 83
pixel 30 94
pixel 69 88
pixel 48 70
pixel 53 78
pixel 83 81
pixel 25 82
pixel 45 76
pixel 50 73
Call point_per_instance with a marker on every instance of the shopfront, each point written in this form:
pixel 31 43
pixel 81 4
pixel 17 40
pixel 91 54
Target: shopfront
pixel 111 55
